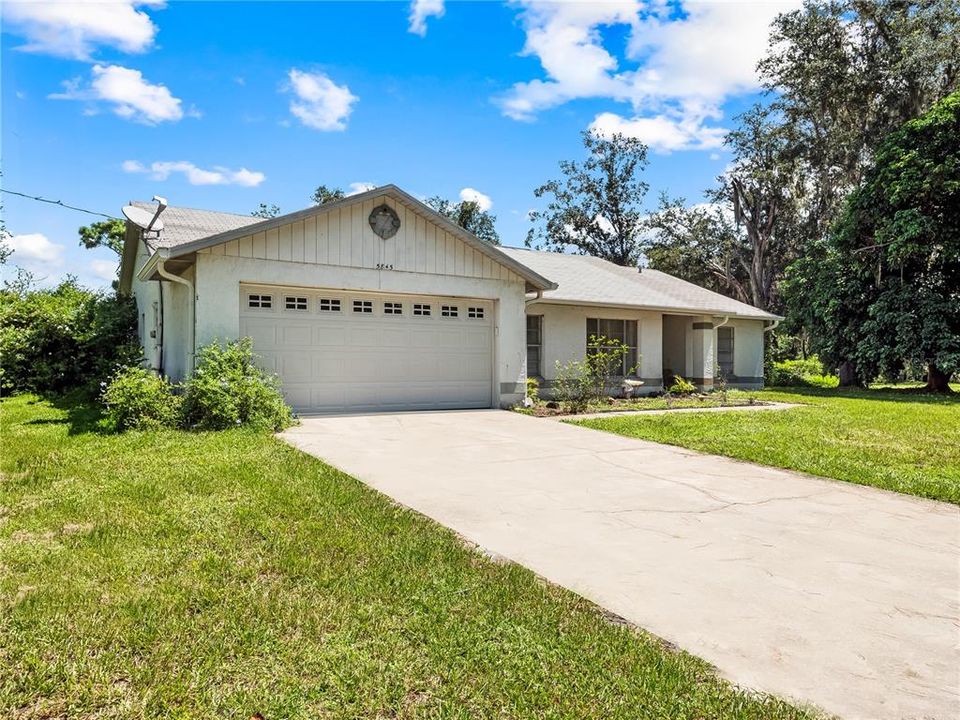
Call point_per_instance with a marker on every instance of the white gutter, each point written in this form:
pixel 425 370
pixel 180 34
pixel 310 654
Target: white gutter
pixel 162 272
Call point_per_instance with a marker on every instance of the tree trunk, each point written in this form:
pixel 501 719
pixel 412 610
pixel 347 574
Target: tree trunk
pixel 848 375
pixel 937 380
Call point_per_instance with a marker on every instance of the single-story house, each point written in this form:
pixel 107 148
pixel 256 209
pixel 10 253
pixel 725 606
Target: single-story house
pixel 376 302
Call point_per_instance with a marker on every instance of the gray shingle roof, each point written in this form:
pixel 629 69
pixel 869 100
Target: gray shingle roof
pixel 581 279
pixel 590 280
pixel 182 225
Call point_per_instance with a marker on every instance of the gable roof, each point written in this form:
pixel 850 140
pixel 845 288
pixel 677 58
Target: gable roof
pixel 186 230
pixel 586 280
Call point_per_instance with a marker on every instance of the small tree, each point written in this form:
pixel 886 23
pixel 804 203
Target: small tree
pixel 470 216
pixel 323 195
pixel 596 207
pixel 265 211
pixel 578 382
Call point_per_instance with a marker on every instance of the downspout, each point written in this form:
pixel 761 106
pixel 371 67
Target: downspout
pixel 535 298
pixel 726 319
pixel 772 327
pixel 162 272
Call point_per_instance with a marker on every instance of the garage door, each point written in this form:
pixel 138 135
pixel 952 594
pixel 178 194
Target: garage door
pixel 345 351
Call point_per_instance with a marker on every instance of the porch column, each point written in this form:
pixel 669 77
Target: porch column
pixel 704 353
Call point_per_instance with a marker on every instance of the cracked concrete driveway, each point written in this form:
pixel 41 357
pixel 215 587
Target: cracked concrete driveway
pixel 821 591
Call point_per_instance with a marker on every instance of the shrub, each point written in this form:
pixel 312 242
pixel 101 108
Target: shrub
pixel 138 399
pixel 533 389
pixel 573 386
pixel 228 389
pixel 806 372
pixel 63 338
pixel 681 387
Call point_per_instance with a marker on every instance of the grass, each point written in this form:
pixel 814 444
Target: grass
pixel 895 438
pixel 189 575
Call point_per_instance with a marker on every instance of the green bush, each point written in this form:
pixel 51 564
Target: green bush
pixel 681 387
pixel 138 399
pixel 63 338
pixel 573 387
pixel 228 389
pixel 806 372
pixel 533 389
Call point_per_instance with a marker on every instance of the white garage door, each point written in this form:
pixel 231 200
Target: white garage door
pixel 337 350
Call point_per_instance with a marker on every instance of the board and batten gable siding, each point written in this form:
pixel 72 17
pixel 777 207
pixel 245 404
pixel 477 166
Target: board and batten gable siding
pixel 342 236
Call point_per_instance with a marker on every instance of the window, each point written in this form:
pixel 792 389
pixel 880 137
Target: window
pixel 534 344
pixel 260 301
pixel 475 313
pixel 392 308
pixel 329 305
pixel 624 331
pixel 363 306
pixel 421 310
pixel 725 351
pixel 450 311
pixel 294 302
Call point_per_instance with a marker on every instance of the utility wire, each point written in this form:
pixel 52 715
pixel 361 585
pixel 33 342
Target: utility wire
pixel 60 203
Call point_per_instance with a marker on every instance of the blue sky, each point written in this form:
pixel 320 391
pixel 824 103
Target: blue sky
pixel 224 105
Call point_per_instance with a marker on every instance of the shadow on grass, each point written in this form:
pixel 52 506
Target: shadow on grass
pixel 83 413
pixel 909 394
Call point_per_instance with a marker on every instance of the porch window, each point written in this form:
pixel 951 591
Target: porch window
pixel 623 330
pixel 534 344
pixel 725 351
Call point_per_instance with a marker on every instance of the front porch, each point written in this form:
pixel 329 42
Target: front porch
pixel 664 345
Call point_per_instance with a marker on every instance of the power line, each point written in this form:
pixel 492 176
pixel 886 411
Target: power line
pixel 59 203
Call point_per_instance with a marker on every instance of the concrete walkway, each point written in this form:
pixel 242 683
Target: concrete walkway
pixel 826 592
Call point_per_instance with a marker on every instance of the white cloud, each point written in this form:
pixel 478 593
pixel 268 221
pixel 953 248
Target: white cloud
pixel 662 133
pixel 420 10
pixel 194 175
pixel 483 201
pixel 682 68
pixel 75 29
pixel 104 269
pixel 359 187
pixel 128 93
pixel 35 249
pixel 320 103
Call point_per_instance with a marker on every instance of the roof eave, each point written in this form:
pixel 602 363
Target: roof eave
pixel 657 308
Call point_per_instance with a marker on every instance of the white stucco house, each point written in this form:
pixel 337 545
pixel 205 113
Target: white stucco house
pixel 376 302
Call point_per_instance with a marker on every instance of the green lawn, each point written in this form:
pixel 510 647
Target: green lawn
pixel 190 575
pixel 893 438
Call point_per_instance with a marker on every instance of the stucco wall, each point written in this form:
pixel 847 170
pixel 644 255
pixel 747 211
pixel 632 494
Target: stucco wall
pixel 565 338
pixel 218 301
pixel 748 339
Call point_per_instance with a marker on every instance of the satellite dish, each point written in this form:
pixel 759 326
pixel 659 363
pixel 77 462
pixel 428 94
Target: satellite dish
pixel 143 219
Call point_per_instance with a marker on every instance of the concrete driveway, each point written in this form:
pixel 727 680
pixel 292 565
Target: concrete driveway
pixel 826 592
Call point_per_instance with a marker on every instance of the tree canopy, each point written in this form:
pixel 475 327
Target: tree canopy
pixel 884 288
pixel 596 208
pixel 470 216
pixel 105 233
pixel 324 194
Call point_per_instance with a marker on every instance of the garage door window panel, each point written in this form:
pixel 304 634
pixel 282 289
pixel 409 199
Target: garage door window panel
pixel 363 307
pixel 259 301
pixel 421 310
pixel 449 311
pixel 295 302
pixel 329 305
pixel 392 308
